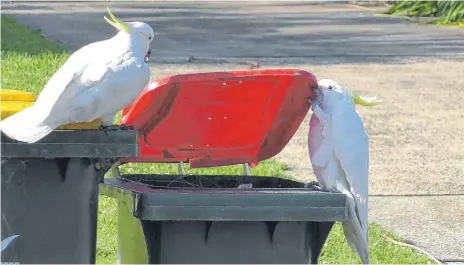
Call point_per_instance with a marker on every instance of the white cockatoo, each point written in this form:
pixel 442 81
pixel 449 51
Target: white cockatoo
pixel 339 150
pixel 96 81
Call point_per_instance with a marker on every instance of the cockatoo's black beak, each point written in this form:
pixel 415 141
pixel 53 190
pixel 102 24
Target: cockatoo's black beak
pixel 147 56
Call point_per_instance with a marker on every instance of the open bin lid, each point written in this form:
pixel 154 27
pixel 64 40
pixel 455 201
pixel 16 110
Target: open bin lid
pixel 220 118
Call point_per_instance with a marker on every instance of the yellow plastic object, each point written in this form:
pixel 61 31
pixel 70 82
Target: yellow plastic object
pixel 16 95
pixel 82 125
pixel 13 101
pixel 9 108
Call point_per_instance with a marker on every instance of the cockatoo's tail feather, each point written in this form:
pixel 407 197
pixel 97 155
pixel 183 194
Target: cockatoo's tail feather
pixel 356 235
pixel 116 22
pixel 364 101
pixel 26 126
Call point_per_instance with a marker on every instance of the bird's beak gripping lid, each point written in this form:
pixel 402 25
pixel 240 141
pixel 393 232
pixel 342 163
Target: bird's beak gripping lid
pixel 120 25
pixel 364 101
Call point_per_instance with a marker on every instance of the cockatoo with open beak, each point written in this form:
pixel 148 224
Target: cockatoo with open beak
pixel 96 81
pixel 339 150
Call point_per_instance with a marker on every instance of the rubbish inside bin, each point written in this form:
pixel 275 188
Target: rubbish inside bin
pixel 212 181
pixel 217 119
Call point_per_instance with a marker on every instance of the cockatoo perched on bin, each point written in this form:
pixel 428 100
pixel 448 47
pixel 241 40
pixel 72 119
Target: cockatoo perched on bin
pixel 95 82
pixel 339 150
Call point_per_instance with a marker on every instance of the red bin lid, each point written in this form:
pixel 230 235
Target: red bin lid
pixel 220 118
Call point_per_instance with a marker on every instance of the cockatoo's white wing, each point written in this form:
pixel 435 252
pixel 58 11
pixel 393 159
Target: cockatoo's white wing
pixel 73 75
pixel 108 88
pixel 351 147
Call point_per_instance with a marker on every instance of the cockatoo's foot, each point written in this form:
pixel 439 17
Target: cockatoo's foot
pixel 114 127
pixel 313 185
pixel 126 127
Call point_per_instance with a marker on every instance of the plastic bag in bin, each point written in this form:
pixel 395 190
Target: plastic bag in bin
pixel 219 118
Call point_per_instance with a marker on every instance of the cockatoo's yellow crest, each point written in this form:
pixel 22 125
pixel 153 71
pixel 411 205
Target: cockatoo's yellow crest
pixel 120 25
pixel 364 101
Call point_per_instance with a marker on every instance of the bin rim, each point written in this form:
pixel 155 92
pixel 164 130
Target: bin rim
pixel 212 204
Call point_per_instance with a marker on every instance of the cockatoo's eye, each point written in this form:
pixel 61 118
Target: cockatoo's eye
pixel 330 87
pixel 149 38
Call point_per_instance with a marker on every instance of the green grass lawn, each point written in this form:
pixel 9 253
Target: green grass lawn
pixel 29 60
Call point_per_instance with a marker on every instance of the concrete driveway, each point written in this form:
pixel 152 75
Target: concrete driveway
pixel 417 147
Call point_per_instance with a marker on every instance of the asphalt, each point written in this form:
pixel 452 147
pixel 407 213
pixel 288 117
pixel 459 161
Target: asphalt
pixel 346 41
pixel 328 33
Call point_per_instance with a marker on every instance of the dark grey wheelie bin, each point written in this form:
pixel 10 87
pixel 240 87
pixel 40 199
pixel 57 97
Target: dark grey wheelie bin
pixel 50 193
pixel 208 219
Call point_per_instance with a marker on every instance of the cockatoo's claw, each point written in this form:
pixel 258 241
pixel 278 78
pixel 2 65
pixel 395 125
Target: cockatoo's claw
pixel 313 185
pixel 114 127
pixel 106 128
pixel 126 127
